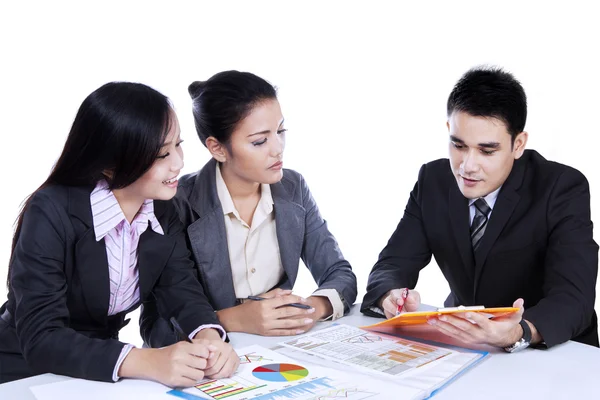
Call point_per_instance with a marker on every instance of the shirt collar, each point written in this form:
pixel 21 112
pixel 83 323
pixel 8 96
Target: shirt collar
pixel 107 213
pixel 265 202
pixel 490 199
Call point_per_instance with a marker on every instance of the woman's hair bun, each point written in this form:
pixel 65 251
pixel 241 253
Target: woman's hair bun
pixel 195 89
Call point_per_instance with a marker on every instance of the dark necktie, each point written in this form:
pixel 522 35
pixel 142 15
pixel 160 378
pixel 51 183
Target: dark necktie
pixel 482 212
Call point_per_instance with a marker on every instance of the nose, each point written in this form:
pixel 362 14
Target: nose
pixel 278 146
pixel 177 160
pixel 470 164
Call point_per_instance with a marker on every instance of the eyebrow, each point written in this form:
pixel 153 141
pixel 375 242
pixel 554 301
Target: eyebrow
pixel 169 143
pixel 266 130
pixel 491 145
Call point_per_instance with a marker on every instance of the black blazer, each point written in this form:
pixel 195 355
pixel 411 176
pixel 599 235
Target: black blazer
pixel 538 245
pixel 301 234
pixel 56 318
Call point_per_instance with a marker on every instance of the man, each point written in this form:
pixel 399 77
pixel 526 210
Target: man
pixel 505 226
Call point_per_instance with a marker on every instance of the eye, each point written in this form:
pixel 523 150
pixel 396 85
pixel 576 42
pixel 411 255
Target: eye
pixel 164 156
pixel 179 143
pixel 281 131
pixel 457 145
pixel 488 152
pixel 258 143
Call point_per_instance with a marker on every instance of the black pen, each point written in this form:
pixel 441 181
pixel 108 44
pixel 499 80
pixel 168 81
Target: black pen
pixel 297 305
pixel 179 331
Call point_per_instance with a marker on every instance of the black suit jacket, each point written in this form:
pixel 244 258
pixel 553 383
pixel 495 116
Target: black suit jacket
pixel 56 318
pixel 538 245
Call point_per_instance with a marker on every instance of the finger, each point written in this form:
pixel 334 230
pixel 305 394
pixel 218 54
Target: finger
pixel 519 303
pixel 448 329
pixel 199 350
pixel 214 369
pixel 193 374
pixel 184 381
pixel 195 362
pixel 276 293
pixel 292 312
pixel 389 306
pixel 292 323
pixel 229 366
pixel 287 299
pixel 459 323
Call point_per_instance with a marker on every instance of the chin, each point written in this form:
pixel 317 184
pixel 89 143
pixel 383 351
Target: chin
pixel 273 177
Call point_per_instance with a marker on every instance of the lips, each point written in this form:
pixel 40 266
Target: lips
pixel 277 165
pixel 170 181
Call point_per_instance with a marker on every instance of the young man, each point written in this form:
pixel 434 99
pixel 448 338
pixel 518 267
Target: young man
pixel 505 225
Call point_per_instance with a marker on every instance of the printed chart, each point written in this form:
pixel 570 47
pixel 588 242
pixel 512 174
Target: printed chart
pixel 368 351
pixel 267 375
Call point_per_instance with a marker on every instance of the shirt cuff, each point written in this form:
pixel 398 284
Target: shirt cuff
pixel 124 352
pixel 335 300
pixel 209 326
pixel 377 310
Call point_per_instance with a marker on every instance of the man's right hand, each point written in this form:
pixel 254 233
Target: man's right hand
pixel 268 317
pixel 392 299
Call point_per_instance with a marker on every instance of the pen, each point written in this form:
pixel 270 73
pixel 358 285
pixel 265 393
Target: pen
pixel 179 331
pixel 404 296
pixel 297 305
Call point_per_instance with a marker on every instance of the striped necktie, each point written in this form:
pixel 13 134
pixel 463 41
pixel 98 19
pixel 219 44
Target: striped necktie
pixel 482 212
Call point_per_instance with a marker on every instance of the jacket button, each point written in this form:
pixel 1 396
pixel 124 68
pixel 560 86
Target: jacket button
pixel 253 270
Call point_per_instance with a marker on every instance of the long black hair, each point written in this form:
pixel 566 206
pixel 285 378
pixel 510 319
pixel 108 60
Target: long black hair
pixel 117 134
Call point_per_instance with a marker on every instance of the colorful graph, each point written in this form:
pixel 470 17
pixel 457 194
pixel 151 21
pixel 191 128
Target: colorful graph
pixel 280 372
pixel 252 357
pixel 223 388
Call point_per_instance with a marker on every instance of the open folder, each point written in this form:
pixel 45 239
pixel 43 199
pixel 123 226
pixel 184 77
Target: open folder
pixel 421 317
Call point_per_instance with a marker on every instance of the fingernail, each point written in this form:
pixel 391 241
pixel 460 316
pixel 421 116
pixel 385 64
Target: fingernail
pixel 443 318
pixel 299 332
pixel 308 321
pixel 312 310
pixel 468 315
pixel 302 299
pixel 431 321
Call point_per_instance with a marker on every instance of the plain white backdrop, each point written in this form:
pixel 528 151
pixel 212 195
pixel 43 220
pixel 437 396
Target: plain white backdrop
pixel 363 88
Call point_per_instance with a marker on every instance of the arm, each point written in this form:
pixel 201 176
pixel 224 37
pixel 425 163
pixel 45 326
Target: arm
pixel 40 288
pixel 178 293
pixel 324 259
pixel 571 264
pixel 405 254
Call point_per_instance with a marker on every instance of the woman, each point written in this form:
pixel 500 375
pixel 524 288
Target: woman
pixel 249 221
pixel 97 239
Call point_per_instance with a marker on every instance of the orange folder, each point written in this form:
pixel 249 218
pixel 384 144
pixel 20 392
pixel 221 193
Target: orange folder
pixel 421 317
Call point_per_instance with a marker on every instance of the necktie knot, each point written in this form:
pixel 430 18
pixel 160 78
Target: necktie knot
pixel 482 206
pixel 482 213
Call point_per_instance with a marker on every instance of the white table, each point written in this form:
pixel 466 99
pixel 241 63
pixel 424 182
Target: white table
pixel 568 371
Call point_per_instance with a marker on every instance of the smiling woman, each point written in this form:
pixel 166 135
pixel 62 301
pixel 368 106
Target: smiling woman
pixel 95 241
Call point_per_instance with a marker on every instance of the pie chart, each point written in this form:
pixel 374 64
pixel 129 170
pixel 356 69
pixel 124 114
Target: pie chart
pixel 280 372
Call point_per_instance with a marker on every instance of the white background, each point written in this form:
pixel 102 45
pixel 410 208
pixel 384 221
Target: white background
pixel 363 87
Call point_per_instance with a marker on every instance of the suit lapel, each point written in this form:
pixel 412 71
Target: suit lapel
pixel 289 219
pixel 508 198
pixel 459 219
pixel 91 261
pixel 208 238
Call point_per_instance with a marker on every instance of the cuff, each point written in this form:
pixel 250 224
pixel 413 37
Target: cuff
pixel 209 326
pixel 336 302
pixel 124 352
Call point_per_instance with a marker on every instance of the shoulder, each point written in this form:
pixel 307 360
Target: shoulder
pixel 548 173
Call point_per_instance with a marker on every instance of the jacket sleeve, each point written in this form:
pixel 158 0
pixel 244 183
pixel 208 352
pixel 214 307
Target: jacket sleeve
pixel 571 263
pixel 322 255
pixel 406 253
pixel 39 285
pixel 178 293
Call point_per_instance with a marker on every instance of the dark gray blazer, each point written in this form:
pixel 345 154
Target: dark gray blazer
pixel 301 233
